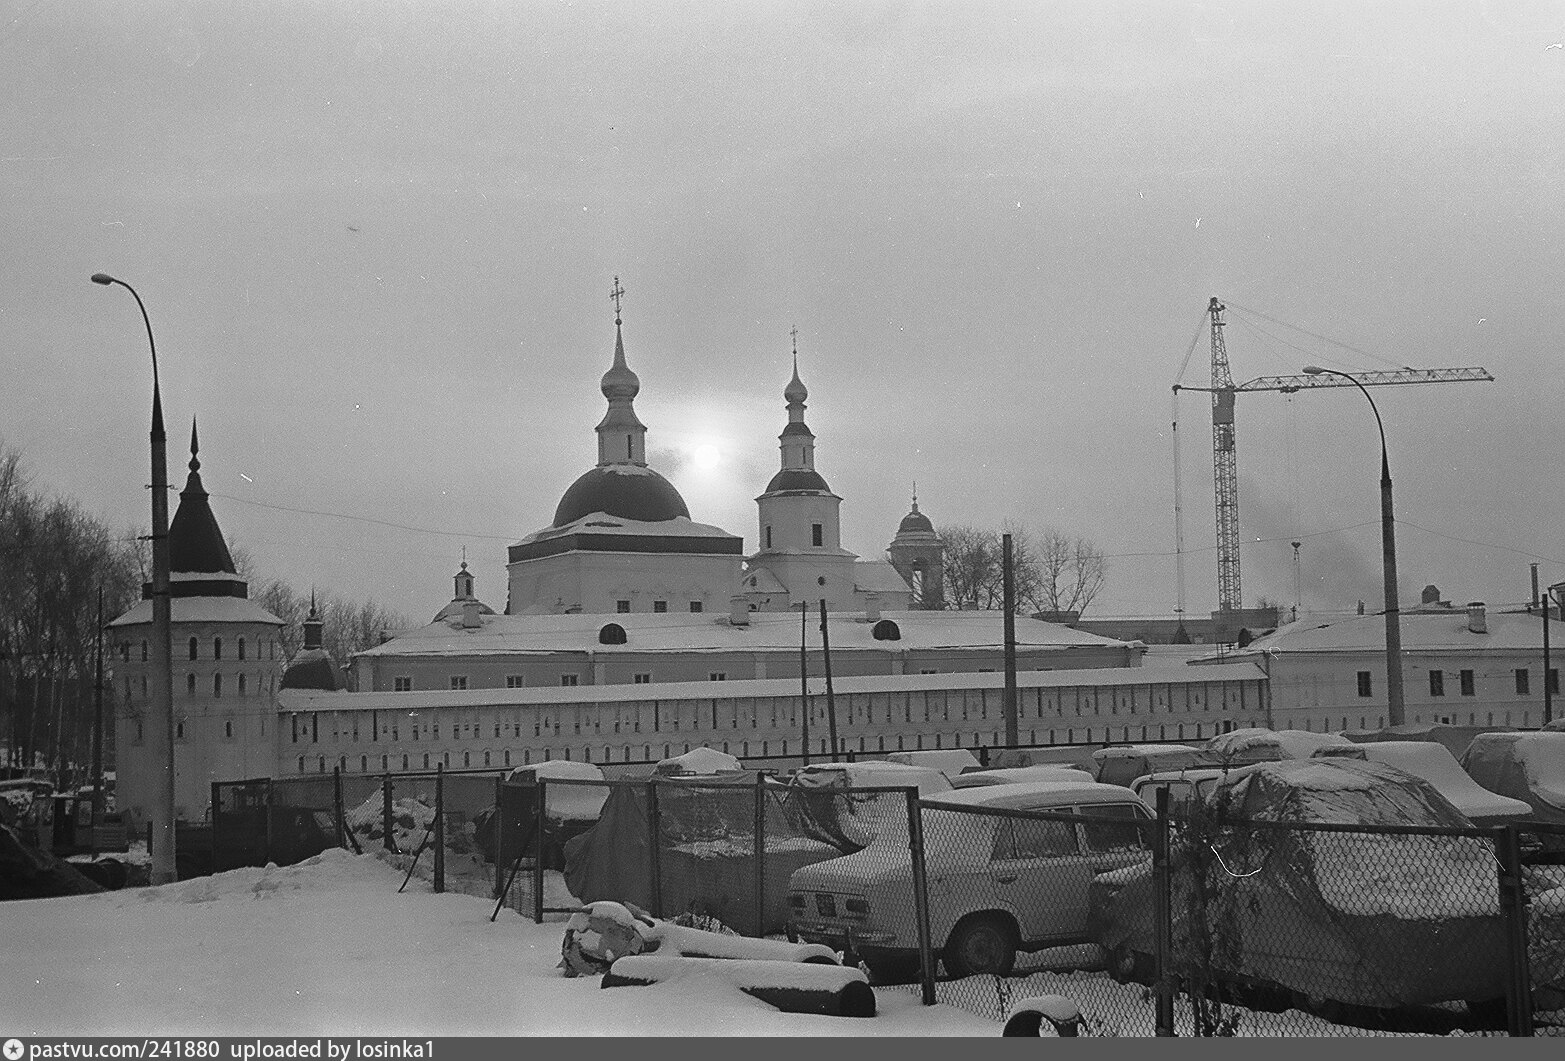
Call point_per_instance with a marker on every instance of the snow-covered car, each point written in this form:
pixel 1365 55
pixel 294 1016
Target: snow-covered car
pixel 1184 786
pixel 1370 922
pixel 1016 775
pixel 1122 764
pixel 1243 746
pixel 1434 763
pixel 951 761
pixel 998 883
pixel 1526 766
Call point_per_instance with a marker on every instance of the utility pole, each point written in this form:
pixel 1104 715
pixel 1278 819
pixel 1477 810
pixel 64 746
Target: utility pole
pixel 1007 568
pixel 831 700
pixel 97 730
pixel 804 676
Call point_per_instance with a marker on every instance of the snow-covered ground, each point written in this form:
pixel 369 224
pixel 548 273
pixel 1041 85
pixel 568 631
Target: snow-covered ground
pixel 329 947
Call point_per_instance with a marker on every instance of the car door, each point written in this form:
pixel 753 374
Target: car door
pixel 1040 873
pixel 1115 835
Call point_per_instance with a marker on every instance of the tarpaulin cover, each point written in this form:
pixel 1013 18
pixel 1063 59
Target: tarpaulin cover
pixel 1370 919
pixel 706 850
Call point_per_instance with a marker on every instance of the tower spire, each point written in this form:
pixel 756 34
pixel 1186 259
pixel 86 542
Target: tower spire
pixel 195 447
pixel 621 434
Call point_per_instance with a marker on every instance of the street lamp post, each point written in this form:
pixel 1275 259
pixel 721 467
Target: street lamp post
pixel 161 685
pixel 1388 542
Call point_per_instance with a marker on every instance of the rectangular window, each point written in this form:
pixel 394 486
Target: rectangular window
pixel 1436 683
pixel 622 606
pixel 514 681
pixel 660 605
pixel 1365 688
pixel 768 537
pixel 459 681
pixel 217 685
pixel 1467 683
pixel 1523 681
pixel 642 678
pixel 567 679
pixel 718 676
pixel 402 685
pixel 816 536
pixel 1554 686
pixel 695 606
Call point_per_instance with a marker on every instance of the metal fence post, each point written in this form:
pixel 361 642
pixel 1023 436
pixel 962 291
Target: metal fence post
pixel 540 819
pixel 269 828
pixel 217 829
pixel 760 855
pixel 440 827
pixel 385 813
pixel 655 848
pixel 915 844
pixel 336 804
pixel 1163 917
pixel 499 832
pixel 1513 910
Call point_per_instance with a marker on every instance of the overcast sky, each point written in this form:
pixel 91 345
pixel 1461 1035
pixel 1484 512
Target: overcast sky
pixel 376 242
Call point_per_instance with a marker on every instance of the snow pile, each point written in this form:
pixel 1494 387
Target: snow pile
pixel 1261 744
pixel 601 932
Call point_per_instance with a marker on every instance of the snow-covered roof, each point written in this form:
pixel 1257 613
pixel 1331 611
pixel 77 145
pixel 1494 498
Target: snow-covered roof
pixel 309 700
pixel 203 610
pixel 1422 631
pixel 713 632
pixel 601 523
pixel 877 576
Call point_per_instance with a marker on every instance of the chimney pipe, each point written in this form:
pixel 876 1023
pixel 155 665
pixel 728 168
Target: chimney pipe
pixel 1477 622
pixel 470 619
pixel 739 610
pixel 872 607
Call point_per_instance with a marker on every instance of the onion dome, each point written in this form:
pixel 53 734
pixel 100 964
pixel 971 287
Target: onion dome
pixel 313 667
pixel 623 490
pixel 915 522
pixel 795 391
pixel 619 382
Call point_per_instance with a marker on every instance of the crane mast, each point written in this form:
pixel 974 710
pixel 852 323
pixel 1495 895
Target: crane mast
pixel 1225 476
pixel 1225 450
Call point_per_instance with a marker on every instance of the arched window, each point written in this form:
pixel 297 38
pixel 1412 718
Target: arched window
pixel 886 630
pixel 611 634
pixel 241 685
pixel 217 648
pixel 217 685
pixel 143 650
pixel 192 648
pixel 241 648
pixel 190 685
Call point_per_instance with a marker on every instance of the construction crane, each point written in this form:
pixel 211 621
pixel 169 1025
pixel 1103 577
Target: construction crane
pixel 1225 447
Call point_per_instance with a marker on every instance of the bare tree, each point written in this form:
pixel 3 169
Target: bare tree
pixel 1053 573
pixel 1071 572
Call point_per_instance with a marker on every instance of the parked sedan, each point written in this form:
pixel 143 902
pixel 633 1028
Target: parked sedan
pixel 1008 869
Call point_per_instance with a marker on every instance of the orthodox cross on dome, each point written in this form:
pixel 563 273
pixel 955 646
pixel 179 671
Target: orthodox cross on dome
pixel 617 295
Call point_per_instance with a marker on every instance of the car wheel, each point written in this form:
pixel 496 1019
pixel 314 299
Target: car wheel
pixel 893 968
pixel 1127 965
pixel 981 943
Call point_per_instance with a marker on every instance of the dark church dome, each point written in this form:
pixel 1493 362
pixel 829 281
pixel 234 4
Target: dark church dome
pixel 313 669
pixel 629 491
pixel 915 522
pixel 797 479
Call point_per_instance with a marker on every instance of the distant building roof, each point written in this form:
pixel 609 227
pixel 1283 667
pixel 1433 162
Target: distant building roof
pixel 766 631
pixel 1440 629
pixel 203 610
pixel 313 669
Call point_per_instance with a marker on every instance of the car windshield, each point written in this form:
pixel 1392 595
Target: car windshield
pixel 1114 827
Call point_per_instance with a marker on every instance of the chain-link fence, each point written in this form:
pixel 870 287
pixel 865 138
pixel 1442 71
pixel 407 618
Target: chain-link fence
pixel 1202 926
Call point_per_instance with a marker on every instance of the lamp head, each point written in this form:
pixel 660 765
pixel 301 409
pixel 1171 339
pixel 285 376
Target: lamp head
pixel 102 278
pixel 1313 370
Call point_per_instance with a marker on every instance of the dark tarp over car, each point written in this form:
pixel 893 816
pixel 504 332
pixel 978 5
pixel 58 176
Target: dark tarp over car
pixel 1379 920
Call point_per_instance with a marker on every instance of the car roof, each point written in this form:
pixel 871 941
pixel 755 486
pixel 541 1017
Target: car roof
pixel 1128 750
pixel 1192 773
pixel 1029 795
